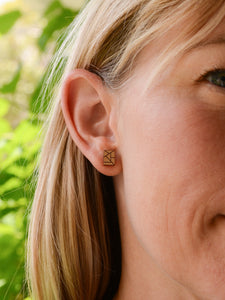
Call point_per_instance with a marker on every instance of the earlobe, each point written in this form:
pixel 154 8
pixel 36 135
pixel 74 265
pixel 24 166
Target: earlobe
pixel 87 108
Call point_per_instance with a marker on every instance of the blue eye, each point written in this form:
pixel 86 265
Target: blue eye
pixel 216 77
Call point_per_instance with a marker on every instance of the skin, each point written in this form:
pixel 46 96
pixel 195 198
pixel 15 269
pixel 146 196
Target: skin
pixel 169 176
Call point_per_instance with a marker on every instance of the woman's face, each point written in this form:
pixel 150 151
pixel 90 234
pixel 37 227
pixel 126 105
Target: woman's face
pixel 172 144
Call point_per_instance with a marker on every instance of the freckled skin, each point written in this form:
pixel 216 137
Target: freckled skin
pixel 171 194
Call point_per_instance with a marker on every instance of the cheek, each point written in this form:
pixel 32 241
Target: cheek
pixel 173 163
pixel 169 143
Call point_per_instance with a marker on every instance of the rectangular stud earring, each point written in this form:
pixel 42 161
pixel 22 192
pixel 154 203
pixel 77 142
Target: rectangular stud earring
pixel 109 158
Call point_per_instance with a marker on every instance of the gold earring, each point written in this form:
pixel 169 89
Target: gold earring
pixel 109 158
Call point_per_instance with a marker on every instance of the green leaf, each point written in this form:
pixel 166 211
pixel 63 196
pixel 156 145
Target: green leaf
pixel 53 8
pixel 14 194
pixel 5 176
pixel 11 261
pixel 4 107
pixel 10 185
pixel 59 21
pixel 11 86
pixel 8 20
pixel 8 210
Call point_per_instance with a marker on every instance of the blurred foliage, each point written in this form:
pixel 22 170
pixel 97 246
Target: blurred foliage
pixel 19 148
pixel 58 18
pixel 11 86
pixel 8 20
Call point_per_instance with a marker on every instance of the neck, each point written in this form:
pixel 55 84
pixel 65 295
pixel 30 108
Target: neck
pixel 141 277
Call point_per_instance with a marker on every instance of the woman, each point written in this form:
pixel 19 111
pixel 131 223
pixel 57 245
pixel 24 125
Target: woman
pixel 135 138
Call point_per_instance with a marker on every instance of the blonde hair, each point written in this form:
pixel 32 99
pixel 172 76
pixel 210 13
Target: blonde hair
pixel 74 242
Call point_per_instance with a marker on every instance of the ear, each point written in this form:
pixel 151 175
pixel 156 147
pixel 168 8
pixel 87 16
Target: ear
pixel 89 113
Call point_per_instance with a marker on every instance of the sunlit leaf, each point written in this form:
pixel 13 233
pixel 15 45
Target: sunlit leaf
pixel 21 171
pixel 26 132
pixel 8 20
pixel 4 107
pixel 5 229
pixel 4 126
pixel 2 282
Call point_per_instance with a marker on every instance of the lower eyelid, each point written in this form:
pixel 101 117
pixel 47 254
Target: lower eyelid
pixel 214 88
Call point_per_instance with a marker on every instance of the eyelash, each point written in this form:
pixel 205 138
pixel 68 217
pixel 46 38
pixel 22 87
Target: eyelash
pixel 215 71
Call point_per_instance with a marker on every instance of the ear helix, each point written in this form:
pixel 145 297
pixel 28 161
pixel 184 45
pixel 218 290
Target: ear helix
pixel 109 158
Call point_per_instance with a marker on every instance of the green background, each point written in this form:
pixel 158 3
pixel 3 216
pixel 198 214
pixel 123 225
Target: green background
pixel 29 33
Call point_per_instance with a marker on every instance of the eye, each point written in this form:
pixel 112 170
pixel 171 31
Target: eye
pixel 216 77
